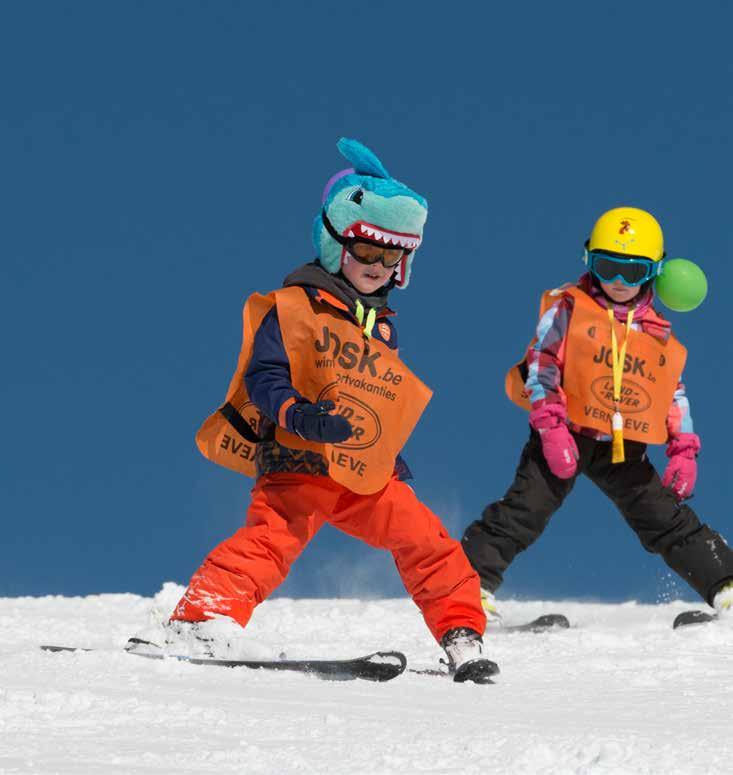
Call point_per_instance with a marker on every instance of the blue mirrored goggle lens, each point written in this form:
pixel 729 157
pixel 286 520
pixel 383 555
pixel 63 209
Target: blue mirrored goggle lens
pixel 631 271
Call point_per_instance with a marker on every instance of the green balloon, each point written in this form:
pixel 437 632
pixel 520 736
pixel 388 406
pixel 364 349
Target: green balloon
pixel 682 286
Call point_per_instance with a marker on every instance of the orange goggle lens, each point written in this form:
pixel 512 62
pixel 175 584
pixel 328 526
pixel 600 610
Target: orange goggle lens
pixel 368 253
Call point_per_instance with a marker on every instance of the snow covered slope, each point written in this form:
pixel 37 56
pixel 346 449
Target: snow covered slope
pixel 618 693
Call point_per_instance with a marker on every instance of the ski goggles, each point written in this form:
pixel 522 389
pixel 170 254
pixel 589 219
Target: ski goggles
pixel 368 253
pixel 630 271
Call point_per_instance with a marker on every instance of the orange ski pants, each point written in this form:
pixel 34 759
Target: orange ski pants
pixel 287 510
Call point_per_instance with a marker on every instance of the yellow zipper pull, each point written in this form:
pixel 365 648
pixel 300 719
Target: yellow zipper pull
pixel 369 327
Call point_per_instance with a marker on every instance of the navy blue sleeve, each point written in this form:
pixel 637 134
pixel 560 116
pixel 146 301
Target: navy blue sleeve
pixel 386 332
pixel 268 378
pixel 402 469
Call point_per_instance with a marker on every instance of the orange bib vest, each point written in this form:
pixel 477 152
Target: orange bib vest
pixel 329 359
pixel 651 372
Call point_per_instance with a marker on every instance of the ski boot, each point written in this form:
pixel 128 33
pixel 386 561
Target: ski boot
pixel 210 639
pixel 494 619
pixel 723 601
pixel 466 662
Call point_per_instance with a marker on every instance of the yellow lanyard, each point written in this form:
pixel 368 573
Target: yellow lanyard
pixel 618 360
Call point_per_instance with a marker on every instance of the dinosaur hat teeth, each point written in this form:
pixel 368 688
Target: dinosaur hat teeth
pixel 376 234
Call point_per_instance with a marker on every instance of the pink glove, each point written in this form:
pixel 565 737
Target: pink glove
pixel 558 446
pixel 681 471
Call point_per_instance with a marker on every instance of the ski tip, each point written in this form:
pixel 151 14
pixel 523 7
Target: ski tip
pixel 553 620
pixel 686 618
pixel 540 624
pixel 385 665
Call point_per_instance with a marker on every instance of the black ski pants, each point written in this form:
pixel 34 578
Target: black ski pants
pixel 665 527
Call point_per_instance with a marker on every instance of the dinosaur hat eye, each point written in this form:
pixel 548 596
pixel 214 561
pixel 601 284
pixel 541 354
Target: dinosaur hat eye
pixel 356 196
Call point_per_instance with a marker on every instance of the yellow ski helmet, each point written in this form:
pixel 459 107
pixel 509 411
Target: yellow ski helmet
pixel 628 231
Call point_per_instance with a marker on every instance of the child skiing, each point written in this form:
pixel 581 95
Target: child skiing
pixel 602 380
pixel 319 409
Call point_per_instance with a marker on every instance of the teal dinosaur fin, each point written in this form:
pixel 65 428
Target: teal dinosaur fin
pixel 364 161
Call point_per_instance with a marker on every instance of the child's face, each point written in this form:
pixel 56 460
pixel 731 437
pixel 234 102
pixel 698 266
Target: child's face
pixel 366 278
pixel 619 292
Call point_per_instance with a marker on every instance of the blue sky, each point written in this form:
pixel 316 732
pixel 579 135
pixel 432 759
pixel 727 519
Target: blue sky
pixel 161 161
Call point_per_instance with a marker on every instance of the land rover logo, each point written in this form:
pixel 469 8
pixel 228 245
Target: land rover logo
pixel 633 396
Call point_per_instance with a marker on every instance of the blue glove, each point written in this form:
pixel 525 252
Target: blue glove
pixel 314 422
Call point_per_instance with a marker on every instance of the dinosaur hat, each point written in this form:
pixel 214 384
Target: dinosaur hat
pixel 363 202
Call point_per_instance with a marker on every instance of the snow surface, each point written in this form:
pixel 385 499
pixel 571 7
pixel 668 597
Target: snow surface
pixel 620 692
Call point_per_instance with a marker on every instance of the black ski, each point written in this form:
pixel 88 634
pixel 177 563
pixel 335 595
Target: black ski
pixel 540 624
pixel 380 666
pixel 686 618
